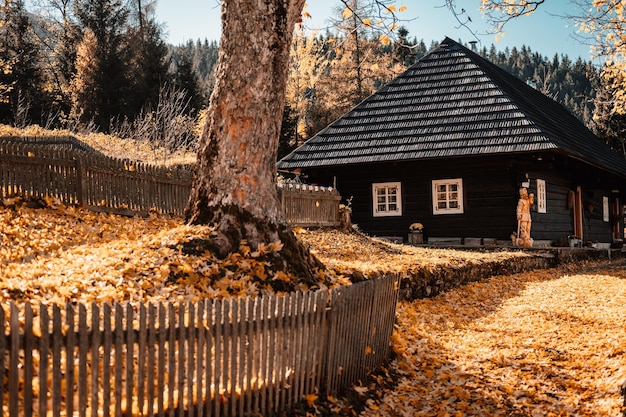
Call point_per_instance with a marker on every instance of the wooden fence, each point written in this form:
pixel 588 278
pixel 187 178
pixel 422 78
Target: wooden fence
pixel 75 173
pixel 306 205
pixel 236 357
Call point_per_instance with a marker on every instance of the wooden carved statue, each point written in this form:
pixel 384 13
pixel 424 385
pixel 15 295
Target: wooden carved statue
pixel 522 237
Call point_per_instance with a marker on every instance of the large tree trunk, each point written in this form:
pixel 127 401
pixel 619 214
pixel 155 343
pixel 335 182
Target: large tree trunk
pixel 235 185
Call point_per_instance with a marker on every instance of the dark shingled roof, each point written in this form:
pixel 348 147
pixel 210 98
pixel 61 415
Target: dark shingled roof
pixel 452 103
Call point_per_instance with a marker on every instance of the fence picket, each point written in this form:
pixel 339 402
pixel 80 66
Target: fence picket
pixel 57 344
pixel 150 378
pixel 44 344
pixel 70 343
pixel 28 360
pixel 107 349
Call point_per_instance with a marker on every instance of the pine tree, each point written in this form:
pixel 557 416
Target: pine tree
pixel 149 63
pixel 186 79
pixel 106 19
pixel 20 53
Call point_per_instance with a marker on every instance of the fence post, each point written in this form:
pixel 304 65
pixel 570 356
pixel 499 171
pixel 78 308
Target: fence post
pixel 81 180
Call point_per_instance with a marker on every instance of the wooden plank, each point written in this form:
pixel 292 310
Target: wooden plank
pixel 3 349
pixel 250 350
pixel 161 362
pixel 171 362
pixel 44 343
pixel 57 344
pixel 118 340
pixel 218 325
pixel 279 370
pixel 226 384
pixel 70 344
pixel 151 353
pixel 28 359
pixel 258 349
pixel 269 382
pixel 210 358
pixel 200 354
pixel 129 356
pixel 14 362
pixel 180 387
pixel 190 339
pixel 96 339
pixel 107 352
pixel 241 357
pixel 143 354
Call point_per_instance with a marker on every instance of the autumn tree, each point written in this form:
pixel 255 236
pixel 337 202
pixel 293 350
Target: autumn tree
pixel 359 60
pixel 306 61
pixel 235 185
pixel 609 124
pixel 601 23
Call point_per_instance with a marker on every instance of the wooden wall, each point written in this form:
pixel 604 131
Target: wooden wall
pixel 491 191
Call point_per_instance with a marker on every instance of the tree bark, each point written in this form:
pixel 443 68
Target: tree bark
pixel 235 184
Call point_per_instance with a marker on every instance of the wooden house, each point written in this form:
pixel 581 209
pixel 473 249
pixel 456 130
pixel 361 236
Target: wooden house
pixel 450 142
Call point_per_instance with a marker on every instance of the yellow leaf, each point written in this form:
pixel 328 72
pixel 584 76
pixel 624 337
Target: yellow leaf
pixel 384 39
pixel 311 398
pixel 347 13
pixel 368 350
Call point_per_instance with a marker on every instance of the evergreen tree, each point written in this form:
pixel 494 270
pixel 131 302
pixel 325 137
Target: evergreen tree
pixel 149 64
pixel 186 79
pixel 106 20
pixel 24 83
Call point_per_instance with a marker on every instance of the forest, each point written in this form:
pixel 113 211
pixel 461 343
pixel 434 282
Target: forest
pixel 106 66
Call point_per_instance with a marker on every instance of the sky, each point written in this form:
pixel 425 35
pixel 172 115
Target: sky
pixel 544 31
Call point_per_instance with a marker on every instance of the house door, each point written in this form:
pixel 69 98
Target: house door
pixel 578 214
pixel 617 216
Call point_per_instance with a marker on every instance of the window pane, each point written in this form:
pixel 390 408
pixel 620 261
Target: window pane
pixel 441 205
pixel 393 207
pixel 380 191
pixel 454 196
pixel 381 199
pixel 454 204
pixel 454 187
pixel 392 191
pixel 382 207
pixel 442 188
pixel 392 199
pixel 442 197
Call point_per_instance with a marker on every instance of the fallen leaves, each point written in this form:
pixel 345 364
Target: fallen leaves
pixel 540 343
pixel 350 253
pixel 68 254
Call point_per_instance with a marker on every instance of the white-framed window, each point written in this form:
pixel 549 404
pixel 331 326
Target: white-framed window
pixel 387 198
pixel 448 196
pixel 605 209
pixel 541 196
